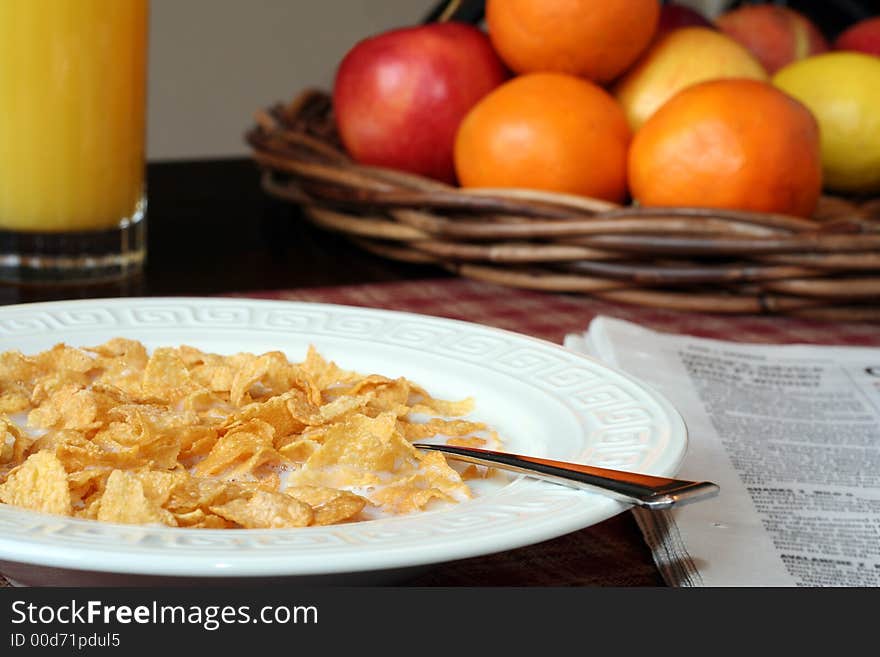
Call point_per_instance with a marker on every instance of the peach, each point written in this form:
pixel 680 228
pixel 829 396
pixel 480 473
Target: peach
pixel 864 37
pixel 677 60
pixel 776 35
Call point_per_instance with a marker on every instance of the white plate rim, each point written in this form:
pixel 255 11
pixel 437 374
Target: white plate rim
pixel 43 540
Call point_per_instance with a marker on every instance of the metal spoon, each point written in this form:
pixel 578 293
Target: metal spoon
pixel 642 490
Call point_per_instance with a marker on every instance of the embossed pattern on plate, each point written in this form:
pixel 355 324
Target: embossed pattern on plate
pixel 545 401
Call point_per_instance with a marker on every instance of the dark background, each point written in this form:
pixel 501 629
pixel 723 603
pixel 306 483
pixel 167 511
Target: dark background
pixel 832 16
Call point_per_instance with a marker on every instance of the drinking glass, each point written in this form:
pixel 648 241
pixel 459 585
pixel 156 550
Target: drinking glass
pixel 72 132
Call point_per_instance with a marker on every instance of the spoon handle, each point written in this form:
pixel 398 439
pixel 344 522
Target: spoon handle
pixel 642 490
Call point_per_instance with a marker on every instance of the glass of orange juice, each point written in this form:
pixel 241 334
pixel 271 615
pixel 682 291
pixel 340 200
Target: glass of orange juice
pixel 72 131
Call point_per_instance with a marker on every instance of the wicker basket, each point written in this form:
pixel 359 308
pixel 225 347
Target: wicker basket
pixel 689 259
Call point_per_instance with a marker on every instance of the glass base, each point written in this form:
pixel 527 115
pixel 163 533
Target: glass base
pixel 29 258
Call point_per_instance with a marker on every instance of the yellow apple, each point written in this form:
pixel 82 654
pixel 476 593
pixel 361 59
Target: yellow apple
pixel 842 89
pixel 677 60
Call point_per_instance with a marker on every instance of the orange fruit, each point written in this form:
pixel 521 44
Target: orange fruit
pixel 595 39
pixel 732 143
pixel 547 131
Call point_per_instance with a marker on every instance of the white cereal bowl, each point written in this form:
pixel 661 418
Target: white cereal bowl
pixel 543 400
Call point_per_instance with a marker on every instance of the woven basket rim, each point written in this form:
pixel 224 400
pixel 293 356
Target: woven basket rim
pixel 691 259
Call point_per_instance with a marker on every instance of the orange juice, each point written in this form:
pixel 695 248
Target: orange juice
pixel 72 124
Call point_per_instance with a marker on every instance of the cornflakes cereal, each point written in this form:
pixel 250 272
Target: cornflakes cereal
pixel 185 438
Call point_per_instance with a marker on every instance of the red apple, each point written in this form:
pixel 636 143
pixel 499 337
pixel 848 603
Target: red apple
pixel 776 35
pixel 399 96
pixel 673 16
pixel 864 37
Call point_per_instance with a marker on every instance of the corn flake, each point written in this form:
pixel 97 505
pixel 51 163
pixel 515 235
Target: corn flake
pixel 125 500
pixel 330 505
pixel 39 484
pixel 266 510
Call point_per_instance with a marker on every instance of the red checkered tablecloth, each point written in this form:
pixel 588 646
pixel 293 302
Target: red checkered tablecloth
pixel 611 553
pixel 552 316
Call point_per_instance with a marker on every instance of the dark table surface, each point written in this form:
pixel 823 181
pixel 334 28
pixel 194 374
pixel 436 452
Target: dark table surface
pixel 212 230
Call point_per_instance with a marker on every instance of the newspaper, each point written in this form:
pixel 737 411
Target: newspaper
pixel 790 433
